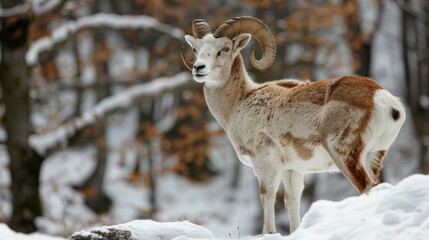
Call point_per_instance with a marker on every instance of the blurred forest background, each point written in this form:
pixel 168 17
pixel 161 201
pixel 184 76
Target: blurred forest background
pixel 100 122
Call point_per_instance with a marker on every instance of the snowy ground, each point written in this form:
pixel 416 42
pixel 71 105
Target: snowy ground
pixel 7 234
pixel 387 212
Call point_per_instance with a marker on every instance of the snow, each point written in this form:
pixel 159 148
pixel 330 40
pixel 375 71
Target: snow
pixel 42 142
pixel 224 210
pixel 424 101
pixel 44 6
pixel 387 212
pixel 10 12
pixel 7 234
pixel 177 198
pixel 99 20
pixel 38 7
pixel 64 208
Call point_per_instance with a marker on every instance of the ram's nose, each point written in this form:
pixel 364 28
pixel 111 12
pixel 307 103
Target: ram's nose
pixel 200 69
pixel 199 66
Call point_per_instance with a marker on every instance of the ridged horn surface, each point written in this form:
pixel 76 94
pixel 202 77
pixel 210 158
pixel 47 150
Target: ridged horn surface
pixel 200 28
pixel 258 30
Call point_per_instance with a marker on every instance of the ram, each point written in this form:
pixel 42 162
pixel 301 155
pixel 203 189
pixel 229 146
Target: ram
pixel 284 129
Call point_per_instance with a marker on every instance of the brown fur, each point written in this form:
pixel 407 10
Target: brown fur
pixel 301 149
pixel 232 92
pixel 262 86
pixel 310 92
pixel 262 189
pixel 357 92
pixel 359 177
pixel 287 83
pixel 237 69
pixel 378 165
pixel 262 141
pixel 245 151
pixel 354 90
pixel 345 134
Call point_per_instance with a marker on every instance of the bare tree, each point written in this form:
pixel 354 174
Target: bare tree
pixel 25 163
pixel 360 40
pixel 415 53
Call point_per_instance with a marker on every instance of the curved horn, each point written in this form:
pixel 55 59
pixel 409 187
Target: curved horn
pixel 258 30
pixel 200 28
pixel 188 64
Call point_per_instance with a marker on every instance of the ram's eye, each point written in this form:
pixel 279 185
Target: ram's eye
pixel 225 49
pixel 193 49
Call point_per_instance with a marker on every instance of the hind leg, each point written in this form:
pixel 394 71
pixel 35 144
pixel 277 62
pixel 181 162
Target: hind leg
pixel 269 177
pixel 294 185
pixel 349 160
pixel 269 181
pixel 374 164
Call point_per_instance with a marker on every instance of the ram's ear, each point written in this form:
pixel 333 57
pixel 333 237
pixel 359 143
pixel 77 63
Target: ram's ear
pixel 240 41
pixel 190 40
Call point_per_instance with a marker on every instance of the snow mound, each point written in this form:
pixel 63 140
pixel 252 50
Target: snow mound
pixel 146 229
pixel 386 212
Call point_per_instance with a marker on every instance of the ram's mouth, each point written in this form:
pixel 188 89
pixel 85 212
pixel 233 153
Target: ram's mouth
pixel 200 75
pixel 201 78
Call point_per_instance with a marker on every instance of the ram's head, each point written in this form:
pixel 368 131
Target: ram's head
pixel 215 52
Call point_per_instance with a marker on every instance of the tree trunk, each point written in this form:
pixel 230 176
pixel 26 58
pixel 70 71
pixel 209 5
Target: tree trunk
pixel 96 199
pixel 145 137
pixel 415 41
pixel 424 71
pixel 364 68
pixel 25 163
pixel 79 90
pixel 236 175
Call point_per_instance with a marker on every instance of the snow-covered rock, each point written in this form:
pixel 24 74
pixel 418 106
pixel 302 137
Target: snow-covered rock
pixel 146 229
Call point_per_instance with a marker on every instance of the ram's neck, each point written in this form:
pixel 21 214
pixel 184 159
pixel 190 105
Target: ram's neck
pixel 222 100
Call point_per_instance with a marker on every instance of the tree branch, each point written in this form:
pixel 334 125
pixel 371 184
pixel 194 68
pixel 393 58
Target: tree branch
pixel 33 8
pixel 377 22
pixel 52 6
pixel 49 142
pixel 97 21
pixel 14 11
